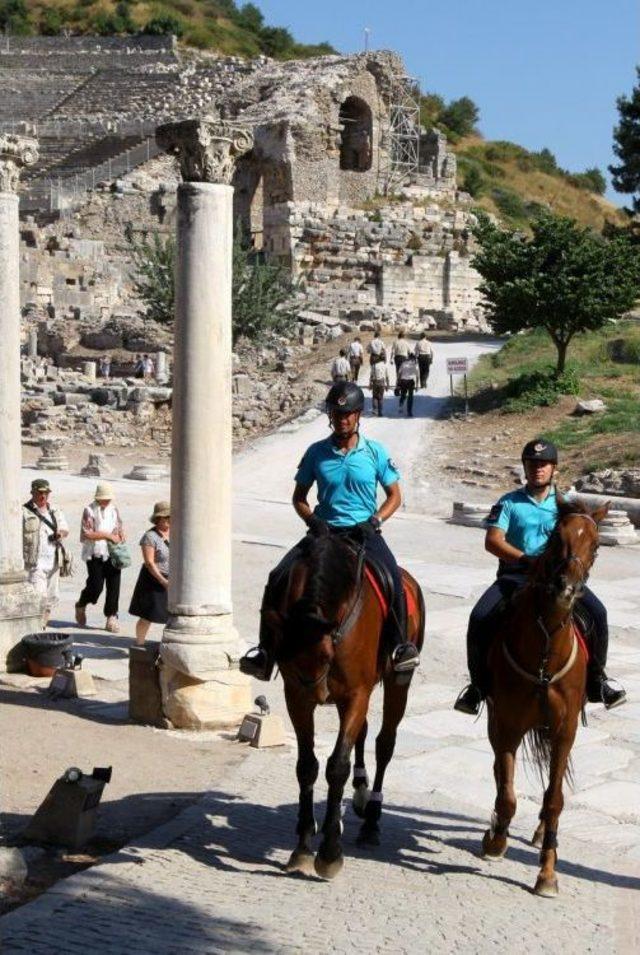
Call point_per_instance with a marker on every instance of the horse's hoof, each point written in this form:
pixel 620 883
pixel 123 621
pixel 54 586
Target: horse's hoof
pixel 360 799
pixel 368 837
pixel 538 836
pixel 493 848
pixel 546 888
pixel 328 870
pixel 300 862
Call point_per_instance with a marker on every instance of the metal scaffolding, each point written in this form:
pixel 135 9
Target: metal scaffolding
pixel 404 131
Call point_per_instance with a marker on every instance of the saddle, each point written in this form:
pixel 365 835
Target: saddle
pixel 382 584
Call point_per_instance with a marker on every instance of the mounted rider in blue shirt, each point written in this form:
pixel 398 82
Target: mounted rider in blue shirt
pixel 519 527
pixel 347 468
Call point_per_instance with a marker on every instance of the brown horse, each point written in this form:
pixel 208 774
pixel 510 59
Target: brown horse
pixel 327 627
pixel 538 674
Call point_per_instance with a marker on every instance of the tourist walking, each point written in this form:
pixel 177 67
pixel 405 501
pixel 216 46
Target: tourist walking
pixel 376 348
pixel 104 367
pixel 101 526
pixel 148 368
pixel 424 354
pixel 43 529
pixel 407 382
pixel 400 350
pixel 356 355
pixel 149 600
pixel 341 369
pixel 138 366
pixel 379 382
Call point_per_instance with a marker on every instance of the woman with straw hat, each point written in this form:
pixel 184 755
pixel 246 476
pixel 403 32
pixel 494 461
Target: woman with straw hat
pixel 149 601
pixel 101 526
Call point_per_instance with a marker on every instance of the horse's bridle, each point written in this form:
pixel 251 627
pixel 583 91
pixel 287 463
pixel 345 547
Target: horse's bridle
pixel 343 626
pixel 543 678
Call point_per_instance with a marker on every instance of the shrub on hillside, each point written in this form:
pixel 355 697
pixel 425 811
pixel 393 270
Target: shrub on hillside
pixel 539 389
pixel 164 24
pixel 510 204
pixel 474 182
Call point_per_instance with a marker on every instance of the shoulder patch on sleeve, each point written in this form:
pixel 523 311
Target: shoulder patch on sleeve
pixel 495 512
pixel 392 464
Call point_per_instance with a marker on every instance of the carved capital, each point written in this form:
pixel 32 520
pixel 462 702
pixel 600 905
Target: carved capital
pixel 15 153
pixel 206 149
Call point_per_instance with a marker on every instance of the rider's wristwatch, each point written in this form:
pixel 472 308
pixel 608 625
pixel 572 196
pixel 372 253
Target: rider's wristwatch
pixel 376 523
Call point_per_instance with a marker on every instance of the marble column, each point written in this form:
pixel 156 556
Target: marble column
pixel 162 375
pixel 33 343
pixel 21 609
pixel 201 684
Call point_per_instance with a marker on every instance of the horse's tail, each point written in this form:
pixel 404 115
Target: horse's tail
pixel 536 747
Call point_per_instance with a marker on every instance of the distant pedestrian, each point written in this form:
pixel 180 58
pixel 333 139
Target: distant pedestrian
pixel 341 369
pixel 424 354
pixel 400 350
pixel 407 381
pixel 356 355
pixel 379 382
pixel 376 348
pixel 104 367
pixel 148 368
pixel 101 525
pixel 149 600
pixel 43 530
pixel 138 367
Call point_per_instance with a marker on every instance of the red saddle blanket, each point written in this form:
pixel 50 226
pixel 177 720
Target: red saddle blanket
pixel 582 643
pixel 382 600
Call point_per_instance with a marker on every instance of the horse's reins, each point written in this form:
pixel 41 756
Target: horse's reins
pixel 543 678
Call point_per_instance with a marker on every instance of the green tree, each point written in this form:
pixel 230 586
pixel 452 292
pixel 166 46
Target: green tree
pixel 14 17
pixel 250 17
pixel 276 41
pixel 261 291
pixel 474 182
pixel 460 116
pixel 154 262
pixel 164 24
pixel 626 144
pixel 564 279
pixel 590 179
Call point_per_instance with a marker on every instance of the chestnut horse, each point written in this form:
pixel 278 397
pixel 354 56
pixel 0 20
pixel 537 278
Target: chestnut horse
pixel 327 626
pixel 538 678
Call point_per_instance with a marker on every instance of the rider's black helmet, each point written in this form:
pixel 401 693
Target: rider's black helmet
pixel 540 450
pixel 344 398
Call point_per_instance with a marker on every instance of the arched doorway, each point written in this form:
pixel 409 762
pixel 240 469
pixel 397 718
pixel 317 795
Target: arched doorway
pixel 356 126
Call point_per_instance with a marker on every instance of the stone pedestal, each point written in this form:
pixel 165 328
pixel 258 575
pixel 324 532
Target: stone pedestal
pixel 89 370
pixel 52 457
pixel 147 472
pixel 33 343
pixel 617 530
pixel 96 466
pixel 469 515
pixel 162 373
pixel 200 682
pixel 21 609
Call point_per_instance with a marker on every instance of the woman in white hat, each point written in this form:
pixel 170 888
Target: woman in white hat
pixel 101 525
pixel 149 601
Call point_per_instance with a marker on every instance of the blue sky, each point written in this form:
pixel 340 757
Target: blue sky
pixel 543 74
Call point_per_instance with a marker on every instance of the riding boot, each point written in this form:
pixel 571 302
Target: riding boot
pixel 599 688
pixel 404 655
pixel 259 661
pixel 470 699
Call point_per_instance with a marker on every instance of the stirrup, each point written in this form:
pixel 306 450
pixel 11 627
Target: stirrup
pixel 257 663
pixel 469 700
pixel 405 657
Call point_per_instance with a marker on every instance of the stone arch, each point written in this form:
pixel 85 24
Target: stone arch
pixel 248 199
pixel 356 135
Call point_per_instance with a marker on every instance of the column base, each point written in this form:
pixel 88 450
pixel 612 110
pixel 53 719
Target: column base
pixel 201 685
pixel 21 612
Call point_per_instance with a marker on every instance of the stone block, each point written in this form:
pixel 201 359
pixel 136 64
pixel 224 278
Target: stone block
pixel 262 730
pixel 72 683
pixel 190 703
pixel 145 698
pixel 66 817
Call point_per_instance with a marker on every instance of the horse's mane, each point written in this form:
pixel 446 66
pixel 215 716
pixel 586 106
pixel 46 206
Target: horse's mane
pixel 332 569
pixel 565 508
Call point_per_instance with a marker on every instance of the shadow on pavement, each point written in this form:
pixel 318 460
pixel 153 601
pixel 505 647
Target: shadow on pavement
pixel 90 708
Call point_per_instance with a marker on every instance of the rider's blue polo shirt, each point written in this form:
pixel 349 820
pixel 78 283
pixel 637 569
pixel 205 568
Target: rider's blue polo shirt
pixel 347 483
pixel 527 523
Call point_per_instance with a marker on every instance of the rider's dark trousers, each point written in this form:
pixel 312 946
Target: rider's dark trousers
pixel 377 548
pixel 478 634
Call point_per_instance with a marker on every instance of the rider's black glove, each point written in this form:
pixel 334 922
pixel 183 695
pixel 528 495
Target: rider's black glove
pixel 371 527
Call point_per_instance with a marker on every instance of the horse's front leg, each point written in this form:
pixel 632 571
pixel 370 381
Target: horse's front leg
pixel 553 802
pixel 301 712
pixel 505 747
pixel 353 712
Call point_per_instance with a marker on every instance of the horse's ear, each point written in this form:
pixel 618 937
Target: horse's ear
pixel 601 512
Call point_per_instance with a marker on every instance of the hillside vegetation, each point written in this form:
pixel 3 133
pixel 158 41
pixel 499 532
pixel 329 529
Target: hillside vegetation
pixel 518 380
pixel 219 25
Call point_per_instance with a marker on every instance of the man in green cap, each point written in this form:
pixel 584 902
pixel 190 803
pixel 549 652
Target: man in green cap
pixel 43 529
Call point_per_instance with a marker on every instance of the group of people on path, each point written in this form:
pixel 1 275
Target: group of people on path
pixel 105 553
pixel 412 365
pixel 347 469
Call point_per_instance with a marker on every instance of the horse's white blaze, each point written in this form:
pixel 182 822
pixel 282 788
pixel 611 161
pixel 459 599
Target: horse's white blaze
pixel 580 532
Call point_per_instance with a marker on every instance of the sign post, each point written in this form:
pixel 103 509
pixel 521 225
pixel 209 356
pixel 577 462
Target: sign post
pixel 459 366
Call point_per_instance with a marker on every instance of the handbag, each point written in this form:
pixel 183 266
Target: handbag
pixel 66 562
pixel 119 555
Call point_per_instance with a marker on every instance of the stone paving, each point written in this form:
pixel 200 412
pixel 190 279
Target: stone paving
pixel 213 880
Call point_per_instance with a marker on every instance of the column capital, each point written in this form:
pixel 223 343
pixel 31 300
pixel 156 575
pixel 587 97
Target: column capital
pixel 206 149
pixel 15 153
